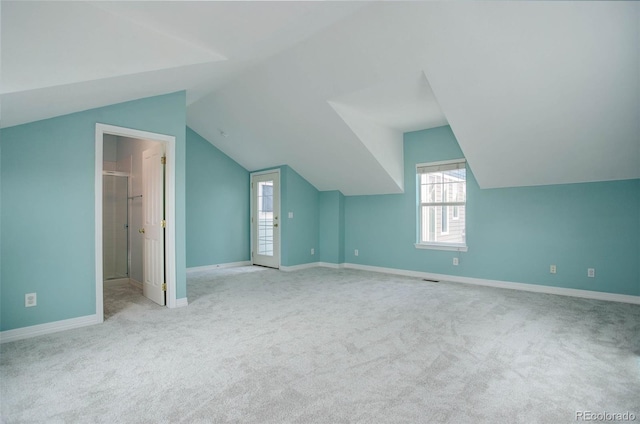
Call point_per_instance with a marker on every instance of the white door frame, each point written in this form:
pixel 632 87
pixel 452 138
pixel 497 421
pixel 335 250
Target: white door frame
pixel 253 235
pixel 170 197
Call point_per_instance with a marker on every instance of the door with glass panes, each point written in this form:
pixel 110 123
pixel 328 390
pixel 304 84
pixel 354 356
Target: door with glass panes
pixel 265 219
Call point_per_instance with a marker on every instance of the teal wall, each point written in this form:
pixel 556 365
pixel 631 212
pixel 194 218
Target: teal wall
pixel 217 196
pixel 513 234
pixel 300 233
pixel 48 207
pixel 331 227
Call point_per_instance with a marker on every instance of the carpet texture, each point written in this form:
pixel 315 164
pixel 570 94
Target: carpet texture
pixel 330 346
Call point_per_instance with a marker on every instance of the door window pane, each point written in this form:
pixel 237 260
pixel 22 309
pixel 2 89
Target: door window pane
pixel 265 218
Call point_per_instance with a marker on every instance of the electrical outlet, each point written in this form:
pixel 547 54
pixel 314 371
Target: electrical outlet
pixel 30 299
pixel 290 215
pixel 355 252
pixel 313 251
pixel 456 261
pixel 552 269
pixel 591 272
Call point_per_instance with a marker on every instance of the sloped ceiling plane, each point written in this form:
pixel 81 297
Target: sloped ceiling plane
pixel 536 93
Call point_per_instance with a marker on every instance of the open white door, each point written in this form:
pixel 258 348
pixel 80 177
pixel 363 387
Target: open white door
pixel 265 214
pixel 153 285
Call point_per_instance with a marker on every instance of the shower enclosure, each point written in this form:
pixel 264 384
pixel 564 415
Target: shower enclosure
pixel 115 225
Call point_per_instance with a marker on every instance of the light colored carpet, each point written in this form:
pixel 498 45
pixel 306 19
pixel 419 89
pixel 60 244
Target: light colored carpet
pixel 330 346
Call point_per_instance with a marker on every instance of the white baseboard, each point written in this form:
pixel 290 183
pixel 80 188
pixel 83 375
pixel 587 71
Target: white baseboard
pixel 116 280
pixel 331 265
pixel 182 302
pixel 131 281
pixel 587 294
pixel 218 266
pixel 299 267
pixel 50 327
pixel 135 283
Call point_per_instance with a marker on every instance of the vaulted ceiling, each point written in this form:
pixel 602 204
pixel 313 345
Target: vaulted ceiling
pixel 536 92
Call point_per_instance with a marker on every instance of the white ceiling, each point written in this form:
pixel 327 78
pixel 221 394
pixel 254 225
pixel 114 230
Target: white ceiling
pixel 536 92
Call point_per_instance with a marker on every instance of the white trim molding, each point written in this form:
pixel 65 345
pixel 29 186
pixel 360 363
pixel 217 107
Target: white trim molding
pixel 182 302
pixel 48 328
pixel 170 212
pixel 116 280
pixel 218 266
pixel 442 246
pixel 536 288
pixel 331 265
pixel 299 267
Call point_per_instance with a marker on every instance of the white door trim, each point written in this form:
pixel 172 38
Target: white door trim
pixel 170 196
pixel 279 227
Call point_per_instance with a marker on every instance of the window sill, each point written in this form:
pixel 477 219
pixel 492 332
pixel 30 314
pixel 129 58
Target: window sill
pixel 442 246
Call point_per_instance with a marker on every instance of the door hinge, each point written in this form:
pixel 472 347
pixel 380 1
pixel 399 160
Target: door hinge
pixel 163 223
pixel 164 286
pixel 163 160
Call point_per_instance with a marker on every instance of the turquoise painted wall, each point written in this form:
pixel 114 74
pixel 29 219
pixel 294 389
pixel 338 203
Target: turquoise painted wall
pixel 513 234
pixel 48 207
pixel 217 205
pixel 0 229
pixel 331 227
pixel 300 233
pixel 341 228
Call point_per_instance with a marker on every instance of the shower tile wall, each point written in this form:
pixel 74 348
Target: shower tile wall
pixel 115 232
pixel 114 227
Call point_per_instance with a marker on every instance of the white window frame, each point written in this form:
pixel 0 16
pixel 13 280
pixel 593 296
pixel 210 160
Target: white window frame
pixel 436 245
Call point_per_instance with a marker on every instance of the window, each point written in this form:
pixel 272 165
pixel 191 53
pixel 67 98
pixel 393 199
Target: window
pixel 442 195
pixel 266 196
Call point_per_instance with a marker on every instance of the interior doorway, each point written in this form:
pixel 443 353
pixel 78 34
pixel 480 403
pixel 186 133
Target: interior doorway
pixel 142 166
pixel 132 225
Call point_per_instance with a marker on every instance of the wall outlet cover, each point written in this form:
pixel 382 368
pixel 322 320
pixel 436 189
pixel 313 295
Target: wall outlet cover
pixel 30 299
